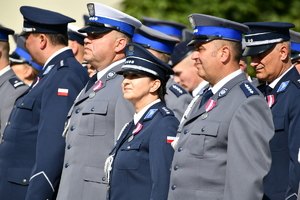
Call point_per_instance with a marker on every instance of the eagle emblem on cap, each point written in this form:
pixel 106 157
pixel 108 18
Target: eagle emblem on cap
pixel 131 50
pixel 192 22
pixel 91 9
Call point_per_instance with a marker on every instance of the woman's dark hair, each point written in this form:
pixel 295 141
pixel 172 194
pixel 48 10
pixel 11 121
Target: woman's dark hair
pixel 162 89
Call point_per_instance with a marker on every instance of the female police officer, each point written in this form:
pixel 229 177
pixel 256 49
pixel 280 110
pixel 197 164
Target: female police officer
pixel 139 165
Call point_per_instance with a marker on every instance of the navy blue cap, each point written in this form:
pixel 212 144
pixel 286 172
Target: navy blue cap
pixel 295 45
pixel 187 35
pixel 207 28
pixel 181 51
pixel 168 27
pixel 21 55
pixel 104 19
pixel 75 35
pixel 39 20
pixel 4 32
pixel 140 61
pixel 153 39
pixel 86 19
pixel 265 35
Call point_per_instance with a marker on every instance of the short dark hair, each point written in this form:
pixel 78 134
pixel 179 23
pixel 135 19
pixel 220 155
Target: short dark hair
pixel 162 91
pixel 56 39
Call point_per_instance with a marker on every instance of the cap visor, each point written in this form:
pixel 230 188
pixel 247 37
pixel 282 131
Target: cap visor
pixel 94 29
pixel 133 71
pixel 23 33
pixel 254 50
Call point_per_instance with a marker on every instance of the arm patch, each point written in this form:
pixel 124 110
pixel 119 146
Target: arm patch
pixel 248 89
pixel 177 90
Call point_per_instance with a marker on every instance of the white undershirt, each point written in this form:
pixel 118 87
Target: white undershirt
pixel 55 54
pixel 137 116
pixel 226 79
pixel 109 67
pixel 273 84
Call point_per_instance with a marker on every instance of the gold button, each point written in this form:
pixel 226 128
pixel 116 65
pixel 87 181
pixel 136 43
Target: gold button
pixel 128 147
pixel 7 123
pixel 24 180
pixel 2 141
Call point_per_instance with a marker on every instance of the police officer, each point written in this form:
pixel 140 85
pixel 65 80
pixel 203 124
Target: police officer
pixel 31 155
pixel 223 146
pixel 162 46
pixel 295 47
pixel 100 111
pixel 268 44
pixel 10 85
pixel 185 73
pixel 143 154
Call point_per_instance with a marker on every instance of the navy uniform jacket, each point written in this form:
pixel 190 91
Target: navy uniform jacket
pixel 31 156
pixel 283 179
pixel 95 124
pixel 177 98
pixel 141 168
pixel 11 87
pixel 226 154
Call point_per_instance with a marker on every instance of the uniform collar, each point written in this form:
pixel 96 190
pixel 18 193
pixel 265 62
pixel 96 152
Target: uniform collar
pixel 225 80
pixel 137 116
pixel 274 83
pixel 5 69
pixel 55 54
pixel 199 88
pixel 109 67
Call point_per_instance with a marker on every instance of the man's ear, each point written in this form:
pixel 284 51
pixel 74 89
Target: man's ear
pixel 120 44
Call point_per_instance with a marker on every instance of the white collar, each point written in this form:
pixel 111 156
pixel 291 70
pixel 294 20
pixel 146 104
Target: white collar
pixel 226 79
pixel 5 69
pixel 55 54
pixel 273 84
pixel 106 69
pixel 137 116
pixel 199 88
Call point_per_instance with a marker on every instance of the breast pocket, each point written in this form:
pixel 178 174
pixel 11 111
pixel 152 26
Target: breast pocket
pixel 24 112
pixel 128 156
pixel 19 176
pixel 203 140
pixel 279 141
pixel 94 118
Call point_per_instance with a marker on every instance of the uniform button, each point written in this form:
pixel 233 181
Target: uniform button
pixel 128 147
pixel 2 141
pixel 173 187
pixel 185 131
pixel 93 109
pixel 103 179
pixel 66 165
pixel 176 167
pixel 180 149
pixel 22 104
pixel 72 128
pixel 7 123
pixel 24 180
pixel 203 129
pixel 77 111
pixel 14 106
pixel 69 146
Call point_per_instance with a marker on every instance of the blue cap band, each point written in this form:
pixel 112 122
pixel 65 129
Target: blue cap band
pixel 3 36
pixel 168 48
pixel 295 46
pixel 123 26
pixel 22 53
pixel 167 30
pixel 224 32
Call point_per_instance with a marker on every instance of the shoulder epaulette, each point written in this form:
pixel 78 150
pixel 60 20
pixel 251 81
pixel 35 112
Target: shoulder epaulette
pixel 177 90
pixel 15 82
pixel 297 82
pixel 166 111
pixel 248 89
pixel 63 63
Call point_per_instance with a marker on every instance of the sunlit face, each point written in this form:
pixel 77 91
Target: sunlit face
pixel 267 65
pixel 20 70
pixel 32 43
pixel 186 74
pixel 136 87
pixel 205 56
pixel 99 49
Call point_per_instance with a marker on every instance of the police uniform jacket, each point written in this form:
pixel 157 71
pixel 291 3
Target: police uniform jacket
pixel 141 167
pixel 177 98
pixel 94 125
pixel 32 151
pixel 283 179
pixel 226 154
pixel 10 88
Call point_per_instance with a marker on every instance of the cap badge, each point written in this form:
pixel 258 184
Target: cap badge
pixel 131 50
pixel 192 22
pixel 91 9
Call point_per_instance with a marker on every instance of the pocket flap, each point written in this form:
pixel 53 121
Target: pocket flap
pixel 207 128
pixel 27 103
pixel 134 145
pixel 99 107
pixel 94 174
pixel 278 123
pixel 19 175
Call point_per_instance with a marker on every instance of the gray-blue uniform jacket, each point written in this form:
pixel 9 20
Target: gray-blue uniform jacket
pixel 31 155
pixel 94 125
pixel 225 154
pixel 141 167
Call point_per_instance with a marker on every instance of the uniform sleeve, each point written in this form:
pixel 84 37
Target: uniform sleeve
pixel 50 143
pixel 161 156
pixel 249 157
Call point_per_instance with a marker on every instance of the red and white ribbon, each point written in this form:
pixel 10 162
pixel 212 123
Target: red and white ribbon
pixel 270 100
pixel 137 129
pixel 98 85
pixel 210 105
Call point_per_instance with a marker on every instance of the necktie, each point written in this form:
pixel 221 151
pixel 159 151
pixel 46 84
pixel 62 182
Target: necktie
pixel 268 90
pixel 91 82
pixel 205 97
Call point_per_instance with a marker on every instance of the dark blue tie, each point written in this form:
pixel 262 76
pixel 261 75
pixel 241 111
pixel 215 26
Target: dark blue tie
pixel 268 90
pixel 205 97
pixel 91 82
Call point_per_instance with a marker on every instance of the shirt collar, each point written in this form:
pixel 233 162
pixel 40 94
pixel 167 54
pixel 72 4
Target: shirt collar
pixel 137 116
pixel 109 67
pixel 199 88
pixel 226 79
pixel 55 54
pixel 273 84
pixel 5 69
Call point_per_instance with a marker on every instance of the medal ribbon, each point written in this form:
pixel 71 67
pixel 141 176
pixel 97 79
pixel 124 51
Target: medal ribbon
pixel 137 129
pixel 270 100
pixel 210 105
pixel 37 81
pixel 98 85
